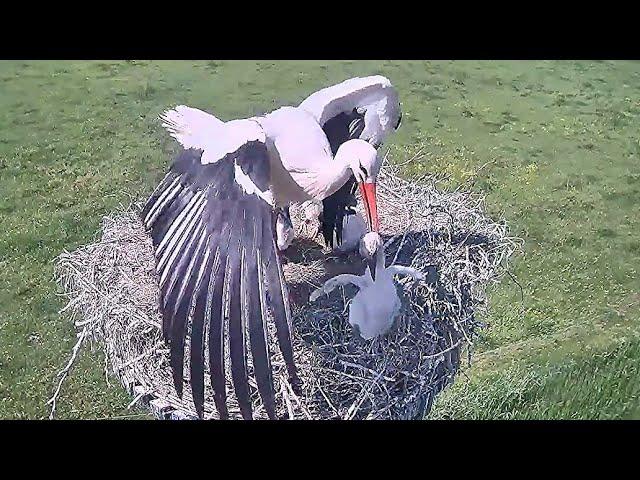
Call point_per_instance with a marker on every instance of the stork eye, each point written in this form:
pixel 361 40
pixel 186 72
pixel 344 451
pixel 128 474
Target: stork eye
pixel 364 170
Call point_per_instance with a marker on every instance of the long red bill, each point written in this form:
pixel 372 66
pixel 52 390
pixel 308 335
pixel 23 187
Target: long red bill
pixel 368 191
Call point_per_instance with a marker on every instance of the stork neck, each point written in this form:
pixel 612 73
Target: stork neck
pixel 379 261
pixel 324 181
pixel 337 174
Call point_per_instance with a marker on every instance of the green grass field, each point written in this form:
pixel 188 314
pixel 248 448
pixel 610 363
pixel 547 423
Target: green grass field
pixel 554 145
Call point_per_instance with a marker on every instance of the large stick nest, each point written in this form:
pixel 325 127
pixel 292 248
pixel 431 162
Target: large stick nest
pixel 112 290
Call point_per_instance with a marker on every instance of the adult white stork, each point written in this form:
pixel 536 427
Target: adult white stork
pixel 212 223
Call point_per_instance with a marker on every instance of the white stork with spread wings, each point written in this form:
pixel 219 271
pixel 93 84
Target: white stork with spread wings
pixel 212 222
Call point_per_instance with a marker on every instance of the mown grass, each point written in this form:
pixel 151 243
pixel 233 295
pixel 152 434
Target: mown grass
pixel 554 145
pixel 592 384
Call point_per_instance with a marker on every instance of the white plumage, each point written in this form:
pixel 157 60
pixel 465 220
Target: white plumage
pixel 193 128
pixel 374 95
pixel 219 217
pixel 376 305
pixel 284 232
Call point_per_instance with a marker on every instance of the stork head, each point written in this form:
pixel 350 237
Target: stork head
pixel 386 120
pixel 373 100
pixel 381 114
pixel 370 244
pixel 362 158
pixel 370 248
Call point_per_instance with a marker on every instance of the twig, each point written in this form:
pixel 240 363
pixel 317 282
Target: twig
pixel 65 371
pixel 112 290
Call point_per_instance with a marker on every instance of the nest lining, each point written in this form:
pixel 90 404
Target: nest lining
pixel 112 293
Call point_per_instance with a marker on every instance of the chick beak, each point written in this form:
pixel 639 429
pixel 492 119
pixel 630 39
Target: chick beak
pixel 371 263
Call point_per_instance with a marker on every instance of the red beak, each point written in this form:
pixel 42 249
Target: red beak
pixel 368 191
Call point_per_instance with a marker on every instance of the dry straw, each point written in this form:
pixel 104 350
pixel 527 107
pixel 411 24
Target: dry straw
pixel 112 295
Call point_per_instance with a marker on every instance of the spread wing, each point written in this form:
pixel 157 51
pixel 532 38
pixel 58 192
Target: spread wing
pixel 212 226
